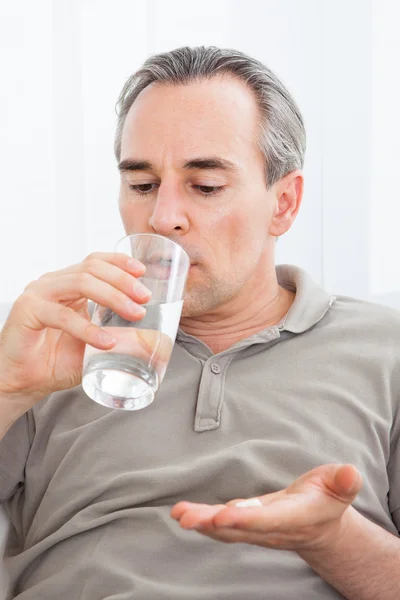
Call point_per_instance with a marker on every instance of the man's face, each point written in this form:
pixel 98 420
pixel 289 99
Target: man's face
pixel 191 171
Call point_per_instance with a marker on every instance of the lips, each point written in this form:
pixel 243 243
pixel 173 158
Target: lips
pixel 159 267
pixel 159 258
pixel 163 265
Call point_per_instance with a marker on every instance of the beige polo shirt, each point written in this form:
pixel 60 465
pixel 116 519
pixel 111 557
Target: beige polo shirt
pixel 89 490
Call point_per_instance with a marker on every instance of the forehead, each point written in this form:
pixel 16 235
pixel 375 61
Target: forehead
pixel 216 116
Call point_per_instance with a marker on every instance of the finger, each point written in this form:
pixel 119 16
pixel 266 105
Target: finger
pixel 191 515
pixel 199 517
pixel 284 510
pixel 45 314
pixel 233 536
pixel 73 286
pixel 183 507
pixel 341 482
pixel 118 278
pixel 257 501
pixel 323 479
pixel 119 259
pixel 111 274
pixel 282 515
pixel 122 261
pixel 249 502
pixel 347 482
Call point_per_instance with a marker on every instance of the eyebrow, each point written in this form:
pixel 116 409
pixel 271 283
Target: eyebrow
pixel 204 163
pixel 210 162
pixel 134 165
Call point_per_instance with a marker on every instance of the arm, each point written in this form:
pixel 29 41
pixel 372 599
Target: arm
pixel 312 517
pixel 362 561
pixel 13 406
pixel 8 415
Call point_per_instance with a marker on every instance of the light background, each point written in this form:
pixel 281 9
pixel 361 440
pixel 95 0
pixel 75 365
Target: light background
pixel 63 63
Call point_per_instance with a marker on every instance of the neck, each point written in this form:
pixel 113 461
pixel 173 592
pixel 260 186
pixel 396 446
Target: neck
pixel 240 317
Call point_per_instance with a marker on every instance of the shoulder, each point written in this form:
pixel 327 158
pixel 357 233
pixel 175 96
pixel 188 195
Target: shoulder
pixel 364 316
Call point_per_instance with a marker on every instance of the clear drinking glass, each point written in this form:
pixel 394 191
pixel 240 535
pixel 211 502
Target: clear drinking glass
pixel 129 375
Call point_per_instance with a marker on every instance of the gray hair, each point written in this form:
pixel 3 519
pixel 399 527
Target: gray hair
pixel 282 137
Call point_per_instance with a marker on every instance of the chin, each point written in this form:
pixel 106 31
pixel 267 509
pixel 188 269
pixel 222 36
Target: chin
pixel 199 296
pixel 189 308
pixel 186 310
pixel 196 304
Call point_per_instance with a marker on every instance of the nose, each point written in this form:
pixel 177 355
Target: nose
pixel 169 214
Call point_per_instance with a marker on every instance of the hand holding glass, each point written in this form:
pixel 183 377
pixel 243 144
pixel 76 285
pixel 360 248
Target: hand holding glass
pixel 129 375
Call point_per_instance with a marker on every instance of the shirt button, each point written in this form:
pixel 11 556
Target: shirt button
pixel 215 368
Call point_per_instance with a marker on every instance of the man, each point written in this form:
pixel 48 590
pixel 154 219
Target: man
pixel 277 397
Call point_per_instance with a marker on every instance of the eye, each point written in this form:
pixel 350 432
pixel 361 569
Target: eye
pixel 209 190
pixel 142 189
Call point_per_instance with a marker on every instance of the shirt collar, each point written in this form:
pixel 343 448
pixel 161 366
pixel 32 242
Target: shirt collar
pixel 311 302
pixel 309 306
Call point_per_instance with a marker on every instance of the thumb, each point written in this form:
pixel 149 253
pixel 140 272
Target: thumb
pixel 347 482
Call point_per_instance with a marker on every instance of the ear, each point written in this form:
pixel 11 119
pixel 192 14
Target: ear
pixel 288 194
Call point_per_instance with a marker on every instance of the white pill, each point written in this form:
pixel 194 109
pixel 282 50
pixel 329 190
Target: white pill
pixel 249 502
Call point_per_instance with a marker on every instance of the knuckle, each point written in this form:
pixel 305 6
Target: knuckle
pixel 91 265
pixel 88 330
pixel 45 276
pixel 83 278
pixel 32 285
pixel 22 300
pixel 91 256
pixel 64 315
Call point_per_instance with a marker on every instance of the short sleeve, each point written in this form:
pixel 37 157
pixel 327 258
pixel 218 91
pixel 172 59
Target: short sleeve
pixel 394 471
pixel 14 450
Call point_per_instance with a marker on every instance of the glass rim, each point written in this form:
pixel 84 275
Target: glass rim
pixel 156 235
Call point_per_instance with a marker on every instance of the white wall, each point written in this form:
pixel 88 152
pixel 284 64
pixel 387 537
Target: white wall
pixel 385 152
pixel 64 62
pixel 27 208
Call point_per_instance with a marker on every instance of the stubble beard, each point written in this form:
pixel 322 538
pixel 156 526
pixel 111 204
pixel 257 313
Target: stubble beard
pixel 201 299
